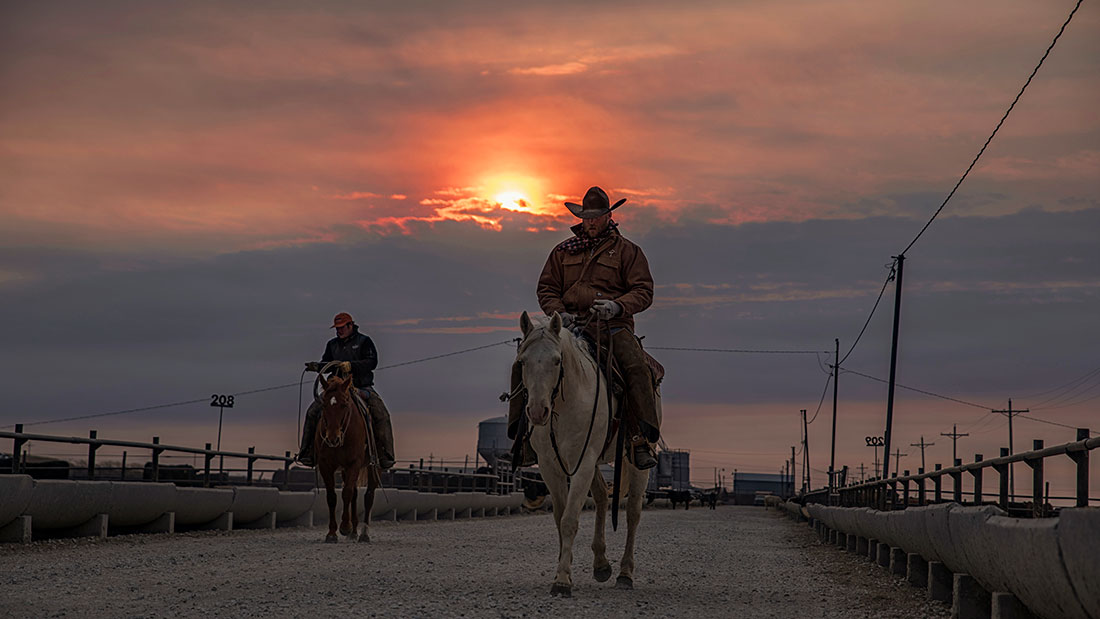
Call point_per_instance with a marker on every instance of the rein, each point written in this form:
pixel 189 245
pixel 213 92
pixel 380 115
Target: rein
pixel 595 402
pixel 344 423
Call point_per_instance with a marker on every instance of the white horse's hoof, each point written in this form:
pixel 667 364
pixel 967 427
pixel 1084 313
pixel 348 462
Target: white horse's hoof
pixel 566 591
pixel 624 582
pixel 601 574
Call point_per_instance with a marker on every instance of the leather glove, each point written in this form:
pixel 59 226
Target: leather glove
pixel 313 366
pixel 567 319
pixel 607 309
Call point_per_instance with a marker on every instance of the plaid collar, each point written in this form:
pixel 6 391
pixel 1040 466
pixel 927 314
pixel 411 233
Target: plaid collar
pixel 580 243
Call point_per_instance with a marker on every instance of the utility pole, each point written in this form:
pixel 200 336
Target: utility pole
pixel 954 440
pixel 832 450
pixel 792 469
pixel 805 453
pixel 897 460
pixel 1010 414
pixel 862 470
pixel 876 462
pixel 922 445
pixel 893 366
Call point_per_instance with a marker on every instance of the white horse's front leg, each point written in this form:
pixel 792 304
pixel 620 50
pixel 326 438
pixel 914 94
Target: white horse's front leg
pixel 567 533
pixel 634 502
pixel 601 567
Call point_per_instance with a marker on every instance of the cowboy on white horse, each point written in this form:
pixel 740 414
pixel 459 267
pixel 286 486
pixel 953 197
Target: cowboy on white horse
pixel 599 270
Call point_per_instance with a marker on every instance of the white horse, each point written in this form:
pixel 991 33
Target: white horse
pixel 568 417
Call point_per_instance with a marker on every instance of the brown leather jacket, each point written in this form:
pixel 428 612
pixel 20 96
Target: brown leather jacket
pixel 616 270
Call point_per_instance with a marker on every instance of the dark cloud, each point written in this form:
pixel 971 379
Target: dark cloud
pixel 991 305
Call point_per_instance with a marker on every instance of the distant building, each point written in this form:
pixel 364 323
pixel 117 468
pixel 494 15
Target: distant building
pixel 747 485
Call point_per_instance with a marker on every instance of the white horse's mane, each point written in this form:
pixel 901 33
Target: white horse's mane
pixel 541 329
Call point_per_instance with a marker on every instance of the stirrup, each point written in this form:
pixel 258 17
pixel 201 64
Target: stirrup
pixel 305 460
pixel 643 456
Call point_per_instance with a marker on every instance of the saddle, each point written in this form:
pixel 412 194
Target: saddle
pixel 618 383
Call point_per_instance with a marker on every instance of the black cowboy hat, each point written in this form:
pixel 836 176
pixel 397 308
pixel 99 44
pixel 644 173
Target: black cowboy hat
pixel 595 204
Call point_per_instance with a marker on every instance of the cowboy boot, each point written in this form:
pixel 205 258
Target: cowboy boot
pixel 305 452
pixel 644 457
pixel 383 430
pixel 641 399
pixel 522 452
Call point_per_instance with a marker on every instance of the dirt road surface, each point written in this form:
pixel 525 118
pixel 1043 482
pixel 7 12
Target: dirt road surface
pixel 728 562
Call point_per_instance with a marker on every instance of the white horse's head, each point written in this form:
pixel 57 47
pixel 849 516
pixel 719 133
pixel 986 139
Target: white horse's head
pixel 540 356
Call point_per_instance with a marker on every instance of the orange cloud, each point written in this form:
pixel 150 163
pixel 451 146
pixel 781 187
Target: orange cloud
pixel 568 68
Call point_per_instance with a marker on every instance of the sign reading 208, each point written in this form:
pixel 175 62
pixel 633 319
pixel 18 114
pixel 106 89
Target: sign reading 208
pixel 225 401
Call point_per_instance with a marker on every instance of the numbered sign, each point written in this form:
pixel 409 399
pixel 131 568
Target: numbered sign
pixel 875 441
pixel 224 401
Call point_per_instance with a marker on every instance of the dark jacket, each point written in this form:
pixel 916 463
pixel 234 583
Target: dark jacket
pixel 616 270
pixel 357 349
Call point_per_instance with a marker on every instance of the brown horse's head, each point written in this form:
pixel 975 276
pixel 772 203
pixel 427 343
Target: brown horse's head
pixel 337 411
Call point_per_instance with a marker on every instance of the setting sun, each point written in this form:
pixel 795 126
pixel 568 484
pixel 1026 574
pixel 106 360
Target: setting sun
pixel 513 201
pixel 516 192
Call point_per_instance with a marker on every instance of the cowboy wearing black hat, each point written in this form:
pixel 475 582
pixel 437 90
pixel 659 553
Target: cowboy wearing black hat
pixel 600 270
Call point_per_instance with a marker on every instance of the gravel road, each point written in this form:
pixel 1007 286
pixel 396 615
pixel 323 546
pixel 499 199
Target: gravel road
pixel 729 562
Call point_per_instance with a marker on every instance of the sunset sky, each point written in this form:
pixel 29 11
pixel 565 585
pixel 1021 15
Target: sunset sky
pixel 190 191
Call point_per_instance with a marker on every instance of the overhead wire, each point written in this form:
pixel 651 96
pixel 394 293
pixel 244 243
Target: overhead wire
pixel 935 395
pixel 822 401
pixel 739 350
pixel 1072 382
pixel 996 129
pixel 251 391
pixel 963 177
pixel 1049 422
pixel 889 278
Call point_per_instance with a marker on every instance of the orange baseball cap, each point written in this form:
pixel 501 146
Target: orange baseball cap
pixel 342 319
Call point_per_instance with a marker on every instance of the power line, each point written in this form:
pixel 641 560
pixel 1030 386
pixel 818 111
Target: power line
pixel 1072 382
pixel 1078 390
pixel 252 391
pixel 823 392
pixel 739 350
pixel 997 128
pixel 450 354
pixel 889 278
pixel 935 395
pixel 1053 423
pixel 1088 399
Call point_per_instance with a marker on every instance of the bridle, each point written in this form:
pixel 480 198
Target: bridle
pixel 344 423
pixel 595 402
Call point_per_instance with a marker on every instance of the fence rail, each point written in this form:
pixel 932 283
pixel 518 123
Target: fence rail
pixel 883 494
pixel 421 478
pixel 156 448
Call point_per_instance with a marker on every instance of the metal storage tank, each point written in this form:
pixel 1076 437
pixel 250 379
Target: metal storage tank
pixel 680 469
pixel 492 439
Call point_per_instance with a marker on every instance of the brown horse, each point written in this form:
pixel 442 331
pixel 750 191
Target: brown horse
pixel 342 442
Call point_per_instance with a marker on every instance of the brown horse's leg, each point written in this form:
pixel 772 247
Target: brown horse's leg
pixel 348 524
pixel 601 567
pixel 328 473
pixel 368 503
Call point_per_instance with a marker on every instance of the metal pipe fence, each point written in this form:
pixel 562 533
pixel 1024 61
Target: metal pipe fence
pixel 899 492
pixel 156 449
pixel 424 479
